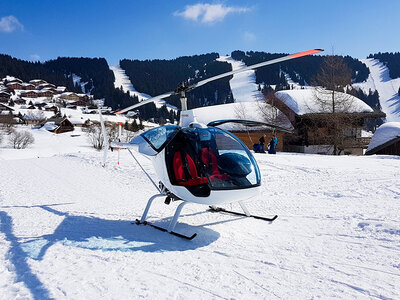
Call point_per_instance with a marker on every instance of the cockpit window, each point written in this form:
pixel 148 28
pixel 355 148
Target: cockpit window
pixel 158 137
pixel 222 158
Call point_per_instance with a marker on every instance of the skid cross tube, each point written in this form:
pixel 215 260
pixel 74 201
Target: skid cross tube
pixel 146 210
pixel 176 216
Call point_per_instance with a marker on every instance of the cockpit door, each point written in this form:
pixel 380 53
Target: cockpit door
pixel 154 140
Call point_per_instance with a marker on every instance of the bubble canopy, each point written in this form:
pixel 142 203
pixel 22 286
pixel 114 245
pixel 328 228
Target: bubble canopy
pixel 213 155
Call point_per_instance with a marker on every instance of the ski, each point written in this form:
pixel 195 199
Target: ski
pixel 220 209
pixel 186 237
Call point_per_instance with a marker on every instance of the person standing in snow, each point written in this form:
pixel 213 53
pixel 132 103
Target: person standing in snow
pixel 262 142
pixel 272 145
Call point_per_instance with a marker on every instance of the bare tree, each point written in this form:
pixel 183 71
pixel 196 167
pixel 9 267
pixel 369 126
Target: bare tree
pixel 21 139
pixel 331 103
pixel 35 115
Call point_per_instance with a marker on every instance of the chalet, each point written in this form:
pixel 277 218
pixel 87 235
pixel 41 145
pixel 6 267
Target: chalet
pixel 27 86
pixel 7 115
pixel 61 89
pixel 29 94
pixel 49 107
pixel 46 93
pixel 57 124
pixel 386 140
pixel 84 97
pixel 4 97
pixel 79 103
pixel 320 127
pixel 14 85
pixel 70 96
pixel 45 85
pixel 37 82
pixel 19 101
pixel 11 79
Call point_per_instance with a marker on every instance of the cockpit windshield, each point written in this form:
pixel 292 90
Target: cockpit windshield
pixel 227 161
pixel 211 156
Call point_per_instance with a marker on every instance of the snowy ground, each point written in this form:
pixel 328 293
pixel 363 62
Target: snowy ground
pixel 387 88
pixel 65 230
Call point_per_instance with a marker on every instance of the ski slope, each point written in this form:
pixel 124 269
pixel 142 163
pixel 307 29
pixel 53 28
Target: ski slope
pixel 387 88
pixel 66 232
pixel 122 80
pixel 243 85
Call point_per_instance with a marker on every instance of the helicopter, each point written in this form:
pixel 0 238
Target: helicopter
pixel 199 163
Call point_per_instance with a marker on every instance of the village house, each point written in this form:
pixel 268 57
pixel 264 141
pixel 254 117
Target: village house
pixel 29 94
pixel 27 86
pixel 316 128
pixel 46 93
pixel 37 82
pixel 15 85
pixel 8 116
pixel 71 96
pixel 57 124
pixel 386 140
pixel 45 85
pixel 4 97
pixel 61 89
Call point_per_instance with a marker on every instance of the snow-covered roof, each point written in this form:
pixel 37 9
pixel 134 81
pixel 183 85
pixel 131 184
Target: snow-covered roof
pixel 37 80
pixel 385 133
pixel 317 100
pixel 253 110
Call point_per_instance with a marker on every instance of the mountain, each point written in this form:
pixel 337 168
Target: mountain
pixel 154 77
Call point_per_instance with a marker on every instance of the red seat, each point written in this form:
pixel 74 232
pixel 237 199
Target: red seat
pixel 185 170
pixel 207 156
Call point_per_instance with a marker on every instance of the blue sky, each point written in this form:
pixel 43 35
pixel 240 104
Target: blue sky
pixel 152 29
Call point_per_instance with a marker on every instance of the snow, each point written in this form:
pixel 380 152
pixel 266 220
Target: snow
pixel 303 101
pixel 66 232
pixel 122 80
pixel 243 85
pixel 77 80
pixel 385 133
pixel 254 111
pixel 387 88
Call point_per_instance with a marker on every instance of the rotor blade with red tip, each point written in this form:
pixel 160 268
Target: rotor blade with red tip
pixel 203 82
pixel 255 66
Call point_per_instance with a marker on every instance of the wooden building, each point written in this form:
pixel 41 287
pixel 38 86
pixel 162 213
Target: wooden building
pixel 37 82
pixel 71 96
pixel 386 140
pixel 57 124
pixel 318 129
pixel 4 97
pixel 29 94
pixel 14 85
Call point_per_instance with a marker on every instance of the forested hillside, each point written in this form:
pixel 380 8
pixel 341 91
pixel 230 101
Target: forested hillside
pixel 156 77
pixel 301 70
pixel 28 70
pixel 391 60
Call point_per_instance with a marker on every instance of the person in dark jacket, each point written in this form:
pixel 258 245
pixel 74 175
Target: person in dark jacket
pixel 272 145
pixel 262 142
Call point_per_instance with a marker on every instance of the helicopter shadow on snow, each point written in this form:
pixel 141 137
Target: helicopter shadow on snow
pixel 114 235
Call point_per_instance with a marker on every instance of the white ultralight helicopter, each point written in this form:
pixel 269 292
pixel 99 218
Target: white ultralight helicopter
pixel 199 163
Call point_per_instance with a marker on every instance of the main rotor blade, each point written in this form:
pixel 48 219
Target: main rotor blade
pixel 255 66
pixel 153 99
pixel 203 82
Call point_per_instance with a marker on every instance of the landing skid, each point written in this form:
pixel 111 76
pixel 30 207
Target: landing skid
pixel 186 237
pixel 173 222
pixel 220 209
